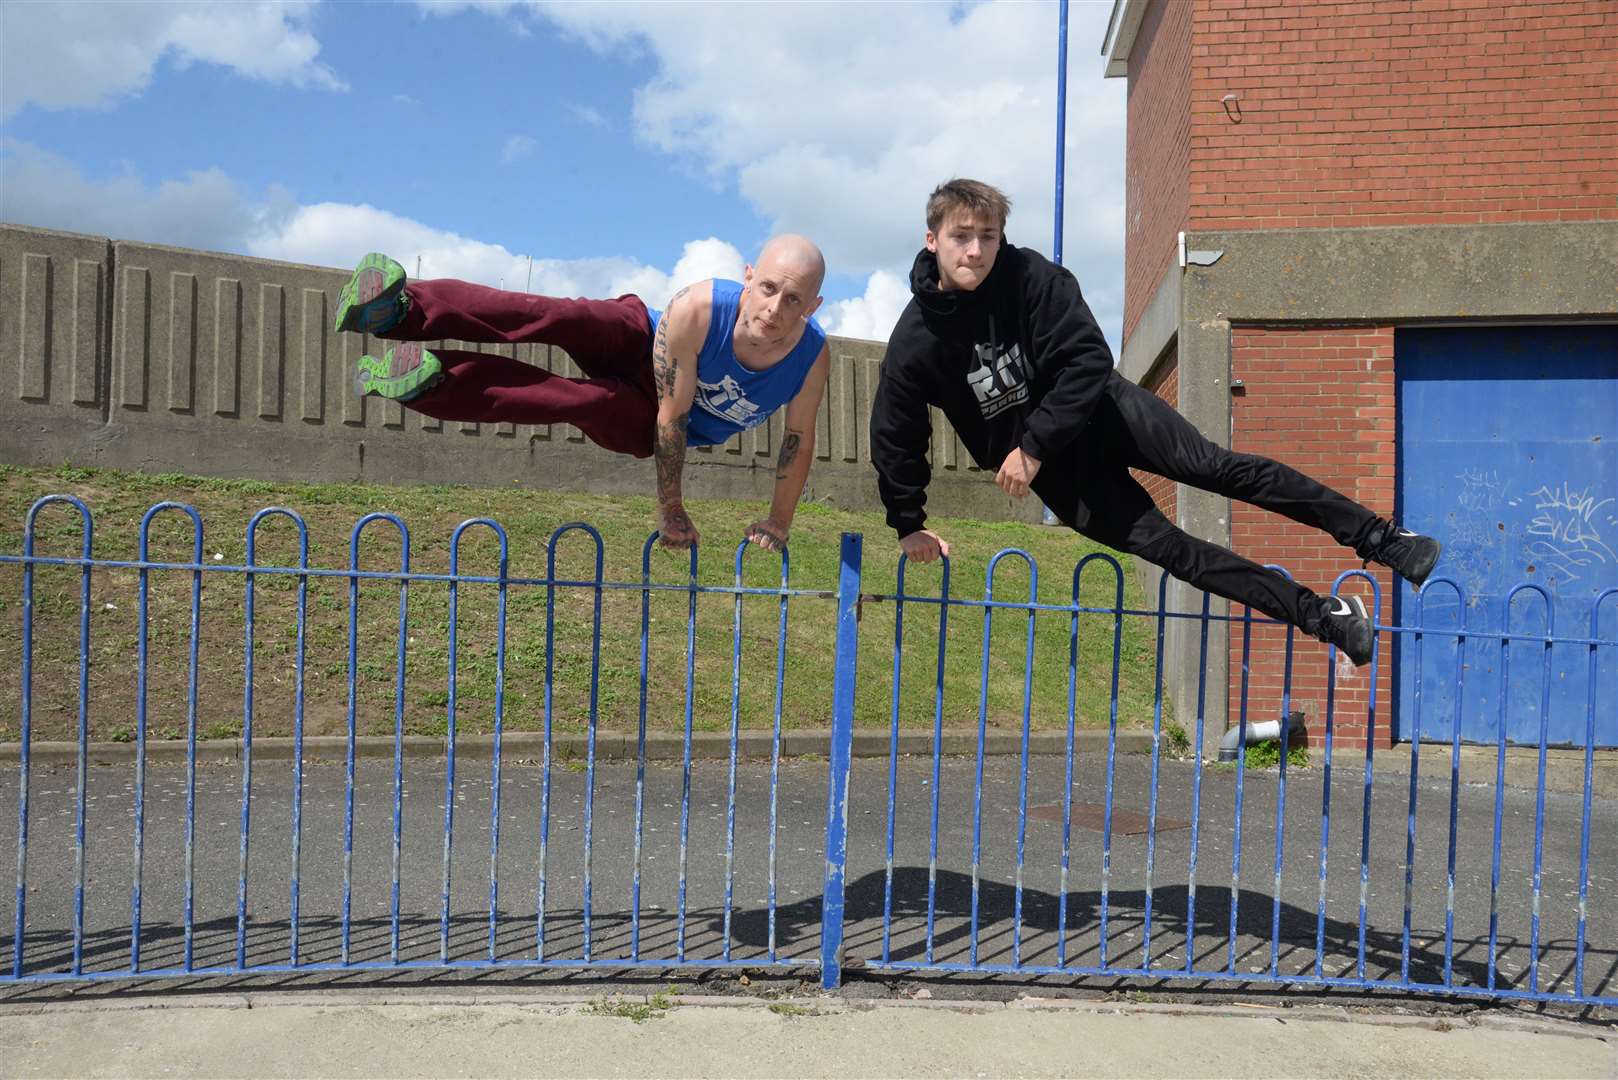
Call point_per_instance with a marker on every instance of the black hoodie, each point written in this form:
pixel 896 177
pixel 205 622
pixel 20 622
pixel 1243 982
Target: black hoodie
pixel 1018 361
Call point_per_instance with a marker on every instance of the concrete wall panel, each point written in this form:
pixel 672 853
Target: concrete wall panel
pixel 53 309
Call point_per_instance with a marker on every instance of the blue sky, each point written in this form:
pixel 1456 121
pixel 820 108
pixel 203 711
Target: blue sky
pixel 624 147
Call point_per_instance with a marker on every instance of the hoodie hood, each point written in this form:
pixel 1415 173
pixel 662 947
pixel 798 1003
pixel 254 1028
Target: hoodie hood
pixel 936 301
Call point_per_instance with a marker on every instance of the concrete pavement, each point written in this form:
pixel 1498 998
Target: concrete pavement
pixel 556 1035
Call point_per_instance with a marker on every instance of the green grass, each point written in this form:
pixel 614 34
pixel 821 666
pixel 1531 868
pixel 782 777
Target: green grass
pixel 648 1008
pixel 1267 755
pixel 118 501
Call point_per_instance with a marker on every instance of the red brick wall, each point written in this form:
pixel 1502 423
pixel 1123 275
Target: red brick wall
pixel 1165 383
pixel 1321 400
pixel 1157 197
pixel 1399 112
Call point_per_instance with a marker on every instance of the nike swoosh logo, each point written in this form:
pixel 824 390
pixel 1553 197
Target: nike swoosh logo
pixel 1348 606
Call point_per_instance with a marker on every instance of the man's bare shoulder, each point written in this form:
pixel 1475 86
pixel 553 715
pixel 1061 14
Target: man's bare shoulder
pixel 691 307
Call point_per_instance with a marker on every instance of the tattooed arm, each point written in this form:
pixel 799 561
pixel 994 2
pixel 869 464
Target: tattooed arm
pixel 797 454
pixel 674 372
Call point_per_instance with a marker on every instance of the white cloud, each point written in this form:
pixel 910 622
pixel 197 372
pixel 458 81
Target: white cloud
pixel 518 147
pixel 586 114
pixel 201 209
pixel 62 55
pixel 337 234
pixel 210 211
pixel 872 315
pixel 836 119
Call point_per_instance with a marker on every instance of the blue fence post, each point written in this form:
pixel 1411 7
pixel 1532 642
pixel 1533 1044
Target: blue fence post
pixel 839 758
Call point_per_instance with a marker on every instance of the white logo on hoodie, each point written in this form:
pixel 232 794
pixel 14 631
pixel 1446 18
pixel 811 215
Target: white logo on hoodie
pixel 999 382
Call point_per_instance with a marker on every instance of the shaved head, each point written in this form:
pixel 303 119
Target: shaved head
pixel 790 251
pixel 779 295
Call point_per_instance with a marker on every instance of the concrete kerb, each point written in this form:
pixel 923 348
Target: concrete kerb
pixel 574 746
pixel 830 1002
pixel 1564 768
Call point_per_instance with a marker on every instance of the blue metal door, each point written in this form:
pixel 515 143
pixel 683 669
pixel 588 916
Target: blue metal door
pixel 1508 453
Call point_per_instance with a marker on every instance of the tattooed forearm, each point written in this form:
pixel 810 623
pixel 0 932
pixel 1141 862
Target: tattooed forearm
pixel 669 450
pixel 789 454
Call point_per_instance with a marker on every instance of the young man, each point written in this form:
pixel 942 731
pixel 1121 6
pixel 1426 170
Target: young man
pixel 719 360
pixel 1000 339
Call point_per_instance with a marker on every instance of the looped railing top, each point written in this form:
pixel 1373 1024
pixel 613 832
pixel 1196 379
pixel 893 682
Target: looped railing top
pixel 646 558
pixel 88 522
pixel 252 533
pixel 196 524
pixel 904 563
pixel 359 527
pixel 1117 571
pixel 741 553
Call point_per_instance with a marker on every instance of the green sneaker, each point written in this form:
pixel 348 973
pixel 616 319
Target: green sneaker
pixel 373 301
pixel 407 372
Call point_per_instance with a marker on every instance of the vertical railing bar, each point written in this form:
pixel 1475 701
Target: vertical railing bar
pixel 350 746
pixel 82 777
pixel 735 734
pixel 495 771
pixel 893 759
pixel 775 744
pixel 1112 760
pixel 1325 808
pixel 1539 797
pixel 977 783
pixel 685 754
pixel 1157 741
pixel 590 747
pixel 640 746
pixel 1589 777
pixel 140 747
pixel 1369 778
pixel 1196 786
pixel 1454 790
pixel 1370 731
pixel 451 715
pixel 247 744
pixel 1499 792
pixel 1241 771
pixel 297 736
pixel 1410 809
pixel 398 740
pixel 839 761
pixel 191 757
pixel 938 751
pixel 1027 723
pixel 545 766
pixel 1281 800
pixel 25 755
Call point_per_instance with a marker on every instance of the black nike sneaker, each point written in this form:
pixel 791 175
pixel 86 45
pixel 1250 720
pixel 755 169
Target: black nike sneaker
pixel 1348 626
pixel 1410 555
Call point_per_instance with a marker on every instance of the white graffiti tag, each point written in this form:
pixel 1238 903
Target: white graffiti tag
pixel 1567 521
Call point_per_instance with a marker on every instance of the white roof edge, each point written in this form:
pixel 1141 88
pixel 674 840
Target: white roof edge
pixel 1122 26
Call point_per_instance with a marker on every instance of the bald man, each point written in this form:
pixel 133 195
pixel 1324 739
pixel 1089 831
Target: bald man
pixel 718 360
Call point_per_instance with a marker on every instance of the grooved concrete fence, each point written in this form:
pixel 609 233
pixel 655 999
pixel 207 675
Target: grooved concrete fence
pixel 123 355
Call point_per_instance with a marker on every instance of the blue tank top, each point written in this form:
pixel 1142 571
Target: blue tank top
pixel 730 397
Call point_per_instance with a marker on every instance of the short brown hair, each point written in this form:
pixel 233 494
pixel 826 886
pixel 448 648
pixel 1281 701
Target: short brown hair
pixel 973 196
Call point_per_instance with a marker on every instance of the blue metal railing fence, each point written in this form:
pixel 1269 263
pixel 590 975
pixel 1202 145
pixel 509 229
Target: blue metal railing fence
pixel 898 917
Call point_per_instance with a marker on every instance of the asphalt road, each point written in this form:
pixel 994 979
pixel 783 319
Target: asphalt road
pixel 1267 936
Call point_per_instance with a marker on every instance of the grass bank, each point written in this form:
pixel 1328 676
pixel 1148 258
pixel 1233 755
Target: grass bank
pixel 330 511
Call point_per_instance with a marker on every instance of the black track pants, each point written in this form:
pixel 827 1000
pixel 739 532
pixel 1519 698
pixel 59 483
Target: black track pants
pixel 1133 428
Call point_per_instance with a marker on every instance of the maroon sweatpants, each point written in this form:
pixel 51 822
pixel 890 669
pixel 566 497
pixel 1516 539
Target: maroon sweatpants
pixel 611 340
